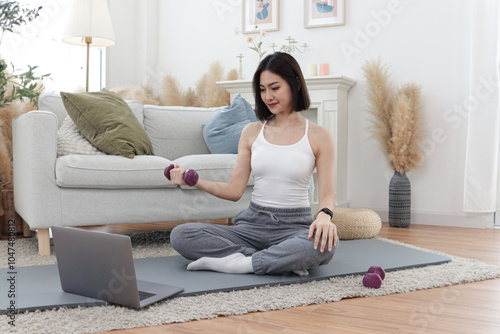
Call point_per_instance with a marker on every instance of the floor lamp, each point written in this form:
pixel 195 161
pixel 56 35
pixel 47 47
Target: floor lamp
pixel 89 24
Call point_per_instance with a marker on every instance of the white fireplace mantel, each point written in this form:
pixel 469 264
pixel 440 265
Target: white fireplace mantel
pixel 328 108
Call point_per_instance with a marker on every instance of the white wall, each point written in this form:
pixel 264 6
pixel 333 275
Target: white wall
pixel 423 41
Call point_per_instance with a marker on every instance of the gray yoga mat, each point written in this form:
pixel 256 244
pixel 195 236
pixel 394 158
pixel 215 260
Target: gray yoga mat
pixel 39 288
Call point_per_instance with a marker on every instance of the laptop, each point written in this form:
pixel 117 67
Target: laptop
pixel 100 265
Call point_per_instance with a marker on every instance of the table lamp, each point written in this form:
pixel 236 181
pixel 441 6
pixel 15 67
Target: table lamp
pixel 89 24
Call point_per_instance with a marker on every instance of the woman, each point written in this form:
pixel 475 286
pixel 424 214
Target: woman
pixel 277 233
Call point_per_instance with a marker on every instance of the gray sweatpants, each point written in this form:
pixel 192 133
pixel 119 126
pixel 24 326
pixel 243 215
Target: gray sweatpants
pixel 276 238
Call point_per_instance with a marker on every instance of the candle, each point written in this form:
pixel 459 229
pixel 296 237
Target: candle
pixel 312 70
pixel 324 69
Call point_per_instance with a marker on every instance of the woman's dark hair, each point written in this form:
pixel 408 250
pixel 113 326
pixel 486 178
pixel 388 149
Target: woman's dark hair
pixel 286 67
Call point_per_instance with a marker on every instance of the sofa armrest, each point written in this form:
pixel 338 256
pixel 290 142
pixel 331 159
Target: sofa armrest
pixel 36 195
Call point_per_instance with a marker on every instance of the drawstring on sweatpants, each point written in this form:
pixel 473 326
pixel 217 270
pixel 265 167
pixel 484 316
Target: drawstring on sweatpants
pixel 274 218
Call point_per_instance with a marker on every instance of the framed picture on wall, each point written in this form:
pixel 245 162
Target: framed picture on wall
pixel 324 13
pixel 260 15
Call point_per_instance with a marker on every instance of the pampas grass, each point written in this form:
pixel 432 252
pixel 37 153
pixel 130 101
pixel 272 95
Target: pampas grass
pixel 209 93
pixel 7 114
pixel 232 75
pixel 206 92
pixel 144 94
pixel 5 160
pixel 395 116
pixel 173 95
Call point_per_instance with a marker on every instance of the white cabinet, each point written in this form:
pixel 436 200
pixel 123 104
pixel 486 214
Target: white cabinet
pixel 328 108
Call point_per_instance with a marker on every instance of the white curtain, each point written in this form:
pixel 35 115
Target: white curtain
pixel 481 162
pixel 497 217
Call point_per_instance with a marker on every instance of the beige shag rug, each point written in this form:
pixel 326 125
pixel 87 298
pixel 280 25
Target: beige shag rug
pixel 182 309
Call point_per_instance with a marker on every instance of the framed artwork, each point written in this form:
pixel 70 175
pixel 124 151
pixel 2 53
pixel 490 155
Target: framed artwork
pixel 324 13
pixel 260 15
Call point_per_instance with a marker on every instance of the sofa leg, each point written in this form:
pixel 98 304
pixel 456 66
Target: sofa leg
pixel 230 221
pixel 43 242
pixel 27 232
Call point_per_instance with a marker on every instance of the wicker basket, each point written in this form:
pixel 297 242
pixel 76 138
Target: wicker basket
pixel 356 224
pixel 10 214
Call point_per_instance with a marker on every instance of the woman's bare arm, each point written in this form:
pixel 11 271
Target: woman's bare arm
pixel 324 150
pixel 234 189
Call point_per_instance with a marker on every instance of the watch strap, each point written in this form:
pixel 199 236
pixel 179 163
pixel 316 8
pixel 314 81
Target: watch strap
pixel 325 210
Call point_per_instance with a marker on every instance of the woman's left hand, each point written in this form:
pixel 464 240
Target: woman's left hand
pixel 326 233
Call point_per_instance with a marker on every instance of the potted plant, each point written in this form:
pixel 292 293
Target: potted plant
pixel 19 92
pixel 394 113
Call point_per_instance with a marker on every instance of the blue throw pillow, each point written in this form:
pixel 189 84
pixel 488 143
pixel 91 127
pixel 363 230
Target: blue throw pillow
pixel 223 132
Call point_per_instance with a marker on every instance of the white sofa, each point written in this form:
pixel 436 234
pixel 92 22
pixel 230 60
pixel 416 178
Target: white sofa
pixel 84 190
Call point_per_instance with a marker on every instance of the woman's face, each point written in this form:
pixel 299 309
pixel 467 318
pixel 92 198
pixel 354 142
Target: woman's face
pixel 275 92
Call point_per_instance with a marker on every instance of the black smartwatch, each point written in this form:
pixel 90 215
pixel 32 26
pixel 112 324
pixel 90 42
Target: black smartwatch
pixel 327 211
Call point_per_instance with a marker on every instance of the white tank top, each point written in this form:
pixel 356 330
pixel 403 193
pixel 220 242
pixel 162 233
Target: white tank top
pixel 282 173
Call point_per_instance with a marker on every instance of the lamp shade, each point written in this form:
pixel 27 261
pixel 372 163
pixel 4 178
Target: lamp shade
pixel 90 18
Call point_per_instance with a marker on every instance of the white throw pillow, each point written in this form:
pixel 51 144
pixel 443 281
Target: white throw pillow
pixel 71 141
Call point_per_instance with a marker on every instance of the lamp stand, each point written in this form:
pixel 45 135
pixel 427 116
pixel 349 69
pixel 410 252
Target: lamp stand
pixel 88 40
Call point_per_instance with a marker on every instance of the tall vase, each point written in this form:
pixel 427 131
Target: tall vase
pixel 399 200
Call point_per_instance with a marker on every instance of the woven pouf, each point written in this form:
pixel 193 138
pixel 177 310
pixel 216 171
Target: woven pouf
pixel 356 224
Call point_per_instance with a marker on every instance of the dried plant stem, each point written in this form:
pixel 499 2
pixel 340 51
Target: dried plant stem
pixel 395 117
pixel 5 159
pixel 209 93
pixel 144 94
pixel 380 95
pixel 7 114
pixel 206 93
pixel 171 94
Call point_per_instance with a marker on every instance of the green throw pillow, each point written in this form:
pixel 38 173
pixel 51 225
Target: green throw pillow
pixel 108 123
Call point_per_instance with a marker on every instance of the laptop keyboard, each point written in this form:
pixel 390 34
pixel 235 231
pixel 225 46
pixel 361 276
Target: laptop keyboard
pixel 143 295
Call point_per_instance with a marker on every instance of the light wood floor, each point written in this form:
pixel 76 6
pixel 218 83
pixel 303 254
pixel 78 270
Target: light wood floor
pixel 466 308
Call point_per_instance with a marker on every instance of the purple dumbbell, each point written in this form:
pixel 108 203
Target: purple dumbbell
pixel 167 171
pixel 374 277
pixel 190 176
pixel 377 270
pixel 372 280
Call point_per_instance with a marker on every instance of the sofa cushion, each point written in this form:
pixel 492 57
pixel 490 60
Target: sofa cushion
pixel 111 172
pixel 176 131
pixel 211 167
pixel 71 141
pixel 222 134
pixel 108 123
pixel 53 102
